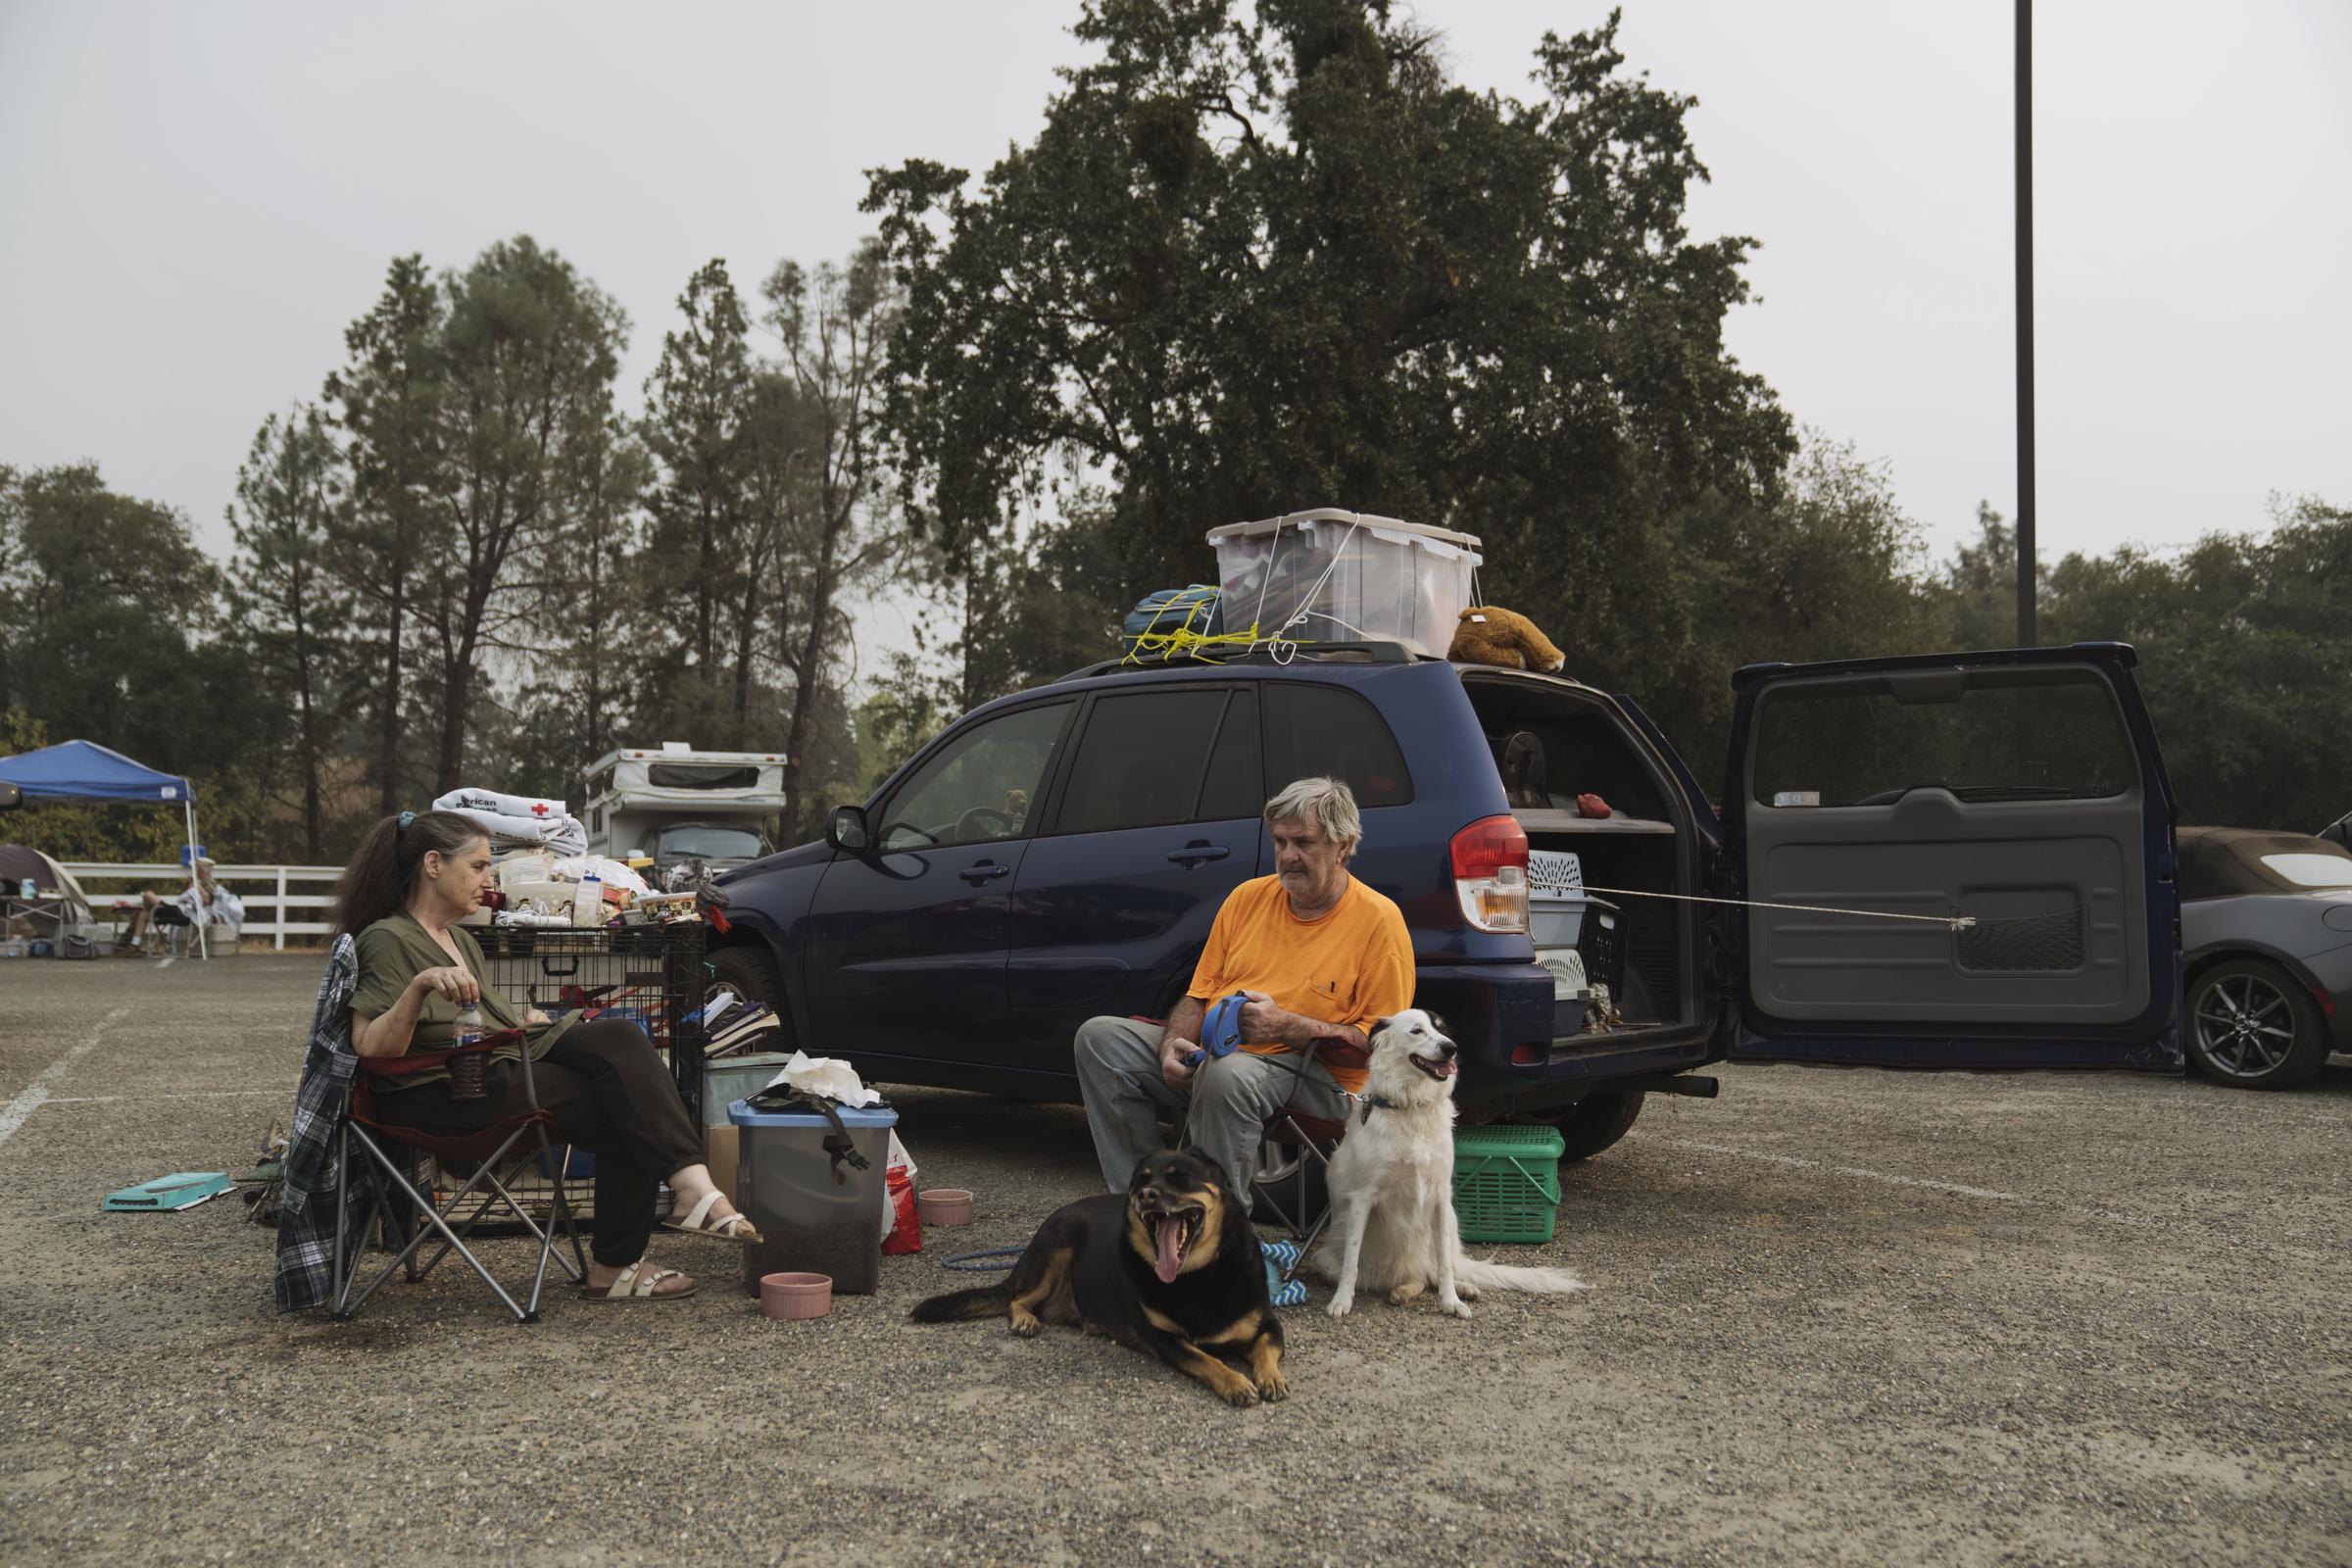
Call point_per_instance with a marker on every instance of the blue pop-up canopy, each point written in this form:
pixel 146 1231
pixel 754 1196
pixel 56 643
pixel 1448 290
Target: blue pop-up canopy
pixel 84 770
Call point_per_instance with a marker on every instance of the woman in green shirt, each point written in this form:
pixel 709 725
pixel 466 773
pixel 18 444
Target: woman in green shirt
pixel 415 877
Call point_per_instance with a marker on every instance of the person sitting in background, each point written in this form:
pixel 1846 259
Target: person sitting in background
pixel 415 875
pixel 202 902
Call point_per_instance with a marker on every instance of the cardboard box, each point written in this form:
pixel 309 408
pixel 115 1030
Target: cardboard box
pixel 724 1145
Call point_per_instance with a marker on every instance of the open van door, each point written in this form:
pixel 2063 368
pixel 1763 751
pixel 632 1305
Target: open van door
pixel 2022 791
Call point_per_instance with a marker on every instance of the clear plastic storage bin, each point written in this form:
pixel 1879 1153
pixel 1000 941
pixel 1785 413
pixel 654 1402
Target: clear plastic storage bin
pixel 1352 578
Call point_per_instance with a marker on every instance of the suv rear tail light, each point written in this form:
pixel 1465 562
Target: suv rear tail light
pixel 1489 873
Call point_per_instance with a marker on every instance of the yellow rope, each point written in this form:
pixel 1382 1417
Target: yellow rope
pixel 1187 643
pixel 1182 642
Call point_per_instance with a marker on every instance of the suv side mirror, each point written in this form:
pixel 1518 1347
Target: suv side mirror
pixel 846 829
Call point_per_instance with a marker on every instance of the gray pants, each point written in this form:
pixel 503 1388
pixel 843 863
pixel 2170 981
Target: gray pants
pixel 1229 1098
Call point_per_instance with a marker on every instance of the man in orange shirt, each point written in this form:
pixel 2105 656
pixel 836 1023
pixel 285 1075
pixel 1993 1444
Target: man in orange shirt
pixel 1318 955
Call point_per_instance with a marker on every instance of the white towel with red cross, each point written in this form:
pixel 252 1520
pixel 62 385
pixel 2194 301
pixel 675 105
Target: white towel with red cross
pixel 536 824
pixel 538 810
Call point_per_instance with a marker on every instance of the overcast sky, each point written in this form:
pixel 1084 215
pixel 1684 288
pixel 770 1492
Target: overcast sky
pixel 196 199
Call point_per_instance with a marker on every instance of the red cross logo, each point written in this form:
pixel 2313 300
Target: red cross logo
pixel 538 807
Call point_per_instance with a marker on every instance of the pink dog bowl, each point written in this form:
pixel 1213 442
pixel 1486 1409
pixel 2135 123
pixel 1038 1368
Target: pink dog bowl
pixel 944 1205
pixel 793 1297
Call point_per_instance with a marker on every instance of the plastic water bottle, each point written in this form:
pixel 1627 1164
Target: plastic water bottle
pixel 588 905
pixel 465 1072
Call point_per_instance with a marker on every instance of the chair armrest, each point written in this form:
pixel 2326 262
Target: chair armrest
pixel 420 1060
pixel 1334 1050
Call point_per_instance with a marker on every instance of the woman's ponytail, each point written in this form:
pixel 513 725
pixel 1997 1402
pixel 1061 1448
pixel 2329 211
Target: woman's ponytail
pixel 382 874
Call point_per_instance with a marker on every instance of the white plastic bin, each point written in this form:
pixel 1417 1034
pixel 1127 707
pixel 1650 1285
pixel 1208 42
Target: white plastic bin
pixel 1555 897
pixel 1354 577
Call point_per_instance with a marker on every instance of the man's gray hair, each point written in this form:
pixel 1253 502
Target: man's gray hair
pixel 1325 802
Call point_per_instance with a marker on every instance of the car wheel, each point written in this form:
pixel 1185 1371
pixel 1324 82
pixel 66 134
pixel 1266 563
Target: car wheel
pixel 2252 1027
pixel 1595 1122
pixel 751 973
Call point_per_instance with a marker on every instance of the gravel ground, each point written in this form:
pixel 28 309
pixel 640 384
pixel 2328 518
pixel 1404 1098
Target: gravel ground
pixel 1835 1316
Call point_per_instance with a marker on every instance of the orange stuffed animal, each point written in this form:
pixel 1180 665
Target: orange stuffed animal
pixel 1489 634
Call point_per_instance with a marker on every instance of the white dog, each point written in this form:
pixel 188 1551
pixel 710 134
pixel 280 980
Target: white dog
pixel 1392 1184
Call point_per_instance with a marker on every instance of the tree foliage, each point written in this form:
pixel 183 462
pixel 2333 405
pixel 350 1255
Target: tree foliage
pixel 1259 263
pixel 835 325
pixel 110 605
pixel 386 403
pixel 1259 259
pixel 289 610
pixel 2245 653
pixel 698 429
pixel 529 350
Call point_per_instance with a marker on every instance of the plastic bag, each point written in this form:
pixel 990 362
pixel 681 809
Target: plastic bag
pixel 825 1076
pixel 612 873
pixel 902 1229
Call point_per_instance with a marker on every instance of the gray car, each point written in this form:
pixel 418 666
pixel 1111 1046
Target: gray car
pixel 2266 944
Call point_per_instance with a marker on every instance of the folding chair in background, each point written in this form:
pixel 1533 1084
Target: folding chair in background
pixel 381 1181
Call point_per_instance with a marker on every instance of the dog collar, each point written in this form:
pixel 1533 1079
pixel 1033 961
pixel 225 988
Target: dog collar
pixel 1374 1102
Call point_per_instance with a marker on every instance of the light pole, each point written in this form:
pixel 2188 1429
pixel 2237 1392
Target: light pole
pixel 2025 323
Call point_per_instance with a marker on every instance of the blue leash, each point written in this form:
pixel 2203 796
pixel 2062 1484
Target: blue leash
pixel 976 1262
pixel 1221 1029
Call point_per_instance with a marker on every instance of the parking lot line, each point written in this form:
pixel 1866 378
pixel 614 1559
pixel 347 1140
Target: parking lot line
pixel 1849 1170
pixel 190 1093
pixel 35 1094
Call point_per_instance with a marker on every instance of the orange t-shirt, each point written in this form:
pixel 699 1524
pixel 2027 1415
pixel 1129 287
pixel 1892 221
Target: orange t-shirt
pixel 1351 967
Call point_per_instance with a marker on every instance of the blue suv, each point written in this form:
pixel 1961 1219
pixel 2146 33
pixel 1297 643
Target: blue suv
pixel 1061 852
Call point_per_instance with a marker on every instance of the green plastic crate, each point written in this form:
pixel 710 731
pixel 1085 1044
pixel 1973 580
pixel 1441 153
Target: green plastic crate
pixel 1506 1183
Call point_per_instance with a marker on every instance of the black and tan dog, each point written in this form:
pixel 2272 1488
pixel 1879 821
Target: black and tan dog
pixel 1172 1268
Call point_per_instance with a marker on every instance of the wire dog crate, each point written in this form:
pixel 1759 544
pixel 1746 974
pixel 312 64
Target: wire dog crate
pixel 651 974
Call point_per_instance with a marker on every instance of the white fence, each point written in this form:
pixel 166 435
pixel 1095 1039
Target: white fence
pixel 265 890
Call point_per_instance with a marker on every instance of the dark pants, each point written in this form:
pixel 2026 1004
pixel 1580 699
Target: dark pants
pixel 610 1095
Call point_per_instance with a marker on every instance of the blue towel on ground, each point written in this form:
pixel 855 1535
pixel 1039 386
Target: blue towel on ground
pixel 1280 1255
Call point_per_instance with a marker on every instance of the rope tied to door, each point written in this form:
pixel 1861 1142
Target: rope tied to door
pixel 1954 922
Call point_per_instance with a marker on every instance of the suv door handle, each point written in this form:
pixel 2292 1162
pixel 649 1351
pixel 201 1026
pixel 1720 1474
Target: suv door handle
pixel 985 871
pixel 1193 854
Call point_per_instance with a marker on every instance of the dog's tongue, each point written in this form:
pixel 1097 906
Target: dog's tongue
pixel 1446 1066
pixel 1172 1249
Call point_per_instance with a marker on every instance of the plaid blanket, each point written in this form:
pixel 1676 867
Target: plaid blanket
pixel 306 1216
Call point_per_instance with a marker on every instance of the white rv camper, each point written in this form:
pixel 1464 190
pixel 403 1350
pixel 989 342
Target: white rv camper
pixel 682 807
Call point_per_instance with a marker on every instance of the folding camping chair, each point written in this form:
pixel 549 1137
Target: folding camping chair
pixel 394 1199
pixel 1313 1139
pixel 214 928
pixel 170 927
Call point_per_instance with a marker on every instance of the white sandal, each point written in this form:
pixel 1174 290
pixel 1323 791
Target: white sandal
pixel 698 1222
pixel 629 1284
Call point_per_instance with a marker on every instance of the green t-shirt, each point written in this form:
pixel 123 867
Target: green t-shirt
pixel 394 951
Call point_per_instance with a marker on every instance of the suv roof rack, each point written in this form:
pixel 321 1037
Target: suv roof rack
pixel 1350 652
